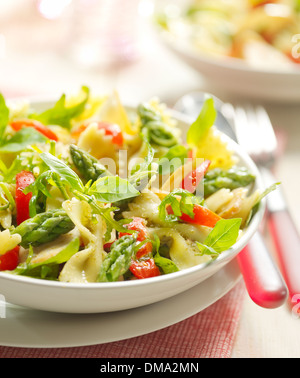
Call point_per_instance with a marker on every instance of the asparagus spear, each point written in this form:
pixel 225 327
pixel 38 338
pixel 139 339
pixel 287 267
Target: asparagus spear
pixel 232 178
pixel 87 165
pixel 44 227
pixel 118 260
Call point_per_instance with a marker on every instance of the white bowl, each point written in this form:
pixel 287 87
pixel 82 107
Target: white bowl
pixel 233 76
pixel 106 297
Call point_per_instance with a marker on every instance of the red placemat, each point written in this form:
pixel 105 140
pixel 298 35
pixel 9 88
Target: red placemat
pixel 208 334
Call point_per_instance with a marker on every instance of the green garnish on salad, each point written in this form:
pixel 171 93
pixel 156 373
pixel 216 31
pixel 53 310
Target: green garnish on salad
pixel 91 191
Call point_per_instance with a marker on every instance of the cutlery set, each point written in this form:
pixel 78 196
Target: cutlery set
pixel 268 285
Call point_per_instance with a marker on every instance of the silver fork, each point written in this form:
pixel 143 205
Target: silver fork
pixel 255 133
pixel 262 278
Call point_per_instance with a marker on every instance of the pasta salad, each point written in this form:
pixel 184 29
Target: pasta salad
pixel 264 34
pixel 93 191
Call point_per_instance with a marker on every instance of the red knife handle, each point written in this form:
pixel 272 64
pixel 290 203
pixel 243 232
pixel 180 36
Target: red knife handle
pixel 287 242
pixel 262 278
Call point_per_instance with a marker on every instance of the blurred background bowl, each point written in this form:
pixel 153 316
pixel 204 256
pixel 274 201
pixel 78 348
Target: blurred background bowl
pixel 263 72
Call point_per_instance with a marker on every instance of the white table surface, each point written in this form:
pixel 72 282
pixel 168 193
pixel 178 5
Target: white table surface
pixel 29 63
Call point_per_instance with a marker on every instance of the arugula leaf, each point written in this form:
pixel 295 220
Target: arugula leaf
pixel 141 174
pixel 4 116
pixel 184 205
pixel 255 207
pixel 63 170
pixel 8 198
pixel 39 190
pixel 112 189
pixel 221 238
pixel 203 123
pixel 49 267
pixel 60 114
pixel 148 158
pixel 22 139
pixel 266 192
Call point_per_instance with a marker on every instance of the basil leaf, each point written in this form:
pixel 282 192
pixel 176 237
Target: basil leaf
pixel 4 116
pixel 166 265
pixel 203 123
pixel 63 170
pixel 60 114
pixel 172 160
pixel 112 189
pixel 22 139
pixel 221 238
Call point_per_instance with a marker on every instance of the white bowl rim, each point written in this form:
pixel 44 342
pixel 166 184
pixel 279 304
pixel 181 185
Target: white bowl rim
pixel 238 246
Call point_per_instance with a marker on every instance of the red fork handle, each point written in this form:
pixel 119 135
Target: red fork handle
pixel 287 242
pixel 262 278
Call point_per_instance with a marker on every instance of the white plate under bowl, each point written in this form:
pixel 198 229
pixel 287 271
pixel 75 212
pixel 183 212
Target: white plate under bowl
pixel 115 296
pixel 235 77
pixel 24 327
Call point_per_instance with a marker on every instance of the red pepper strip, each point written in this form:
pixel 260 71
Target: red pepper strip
pixel 144 269
pixel 261 3
pixel 294 58
pixel 111 129
pixel 10 259
pixel 138 224
pixel 38 126
pixel 192 180
pixel 23 179
pixel 202 216
pixel 107 246
pixel 114 130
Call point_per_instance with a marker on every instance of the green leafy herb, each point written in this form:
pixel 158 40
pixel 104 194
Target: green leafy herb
pixel 69 178
pixel 184 205
pixel 172 160
pixel 50 267
pixel 203 123
pixel 221 238
pixel 60 114
pixel 9 174
pixel 39 189
pixel 22 139
pixel 266 192
pixel 142 173
pixel 63 170
pixel 6 197
pixel 112 189
pixel 255 207
pixel 165 264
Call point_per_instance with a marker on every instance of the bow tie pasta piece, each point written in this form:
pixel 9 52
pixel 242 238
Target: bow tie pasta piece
pixel 84 266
